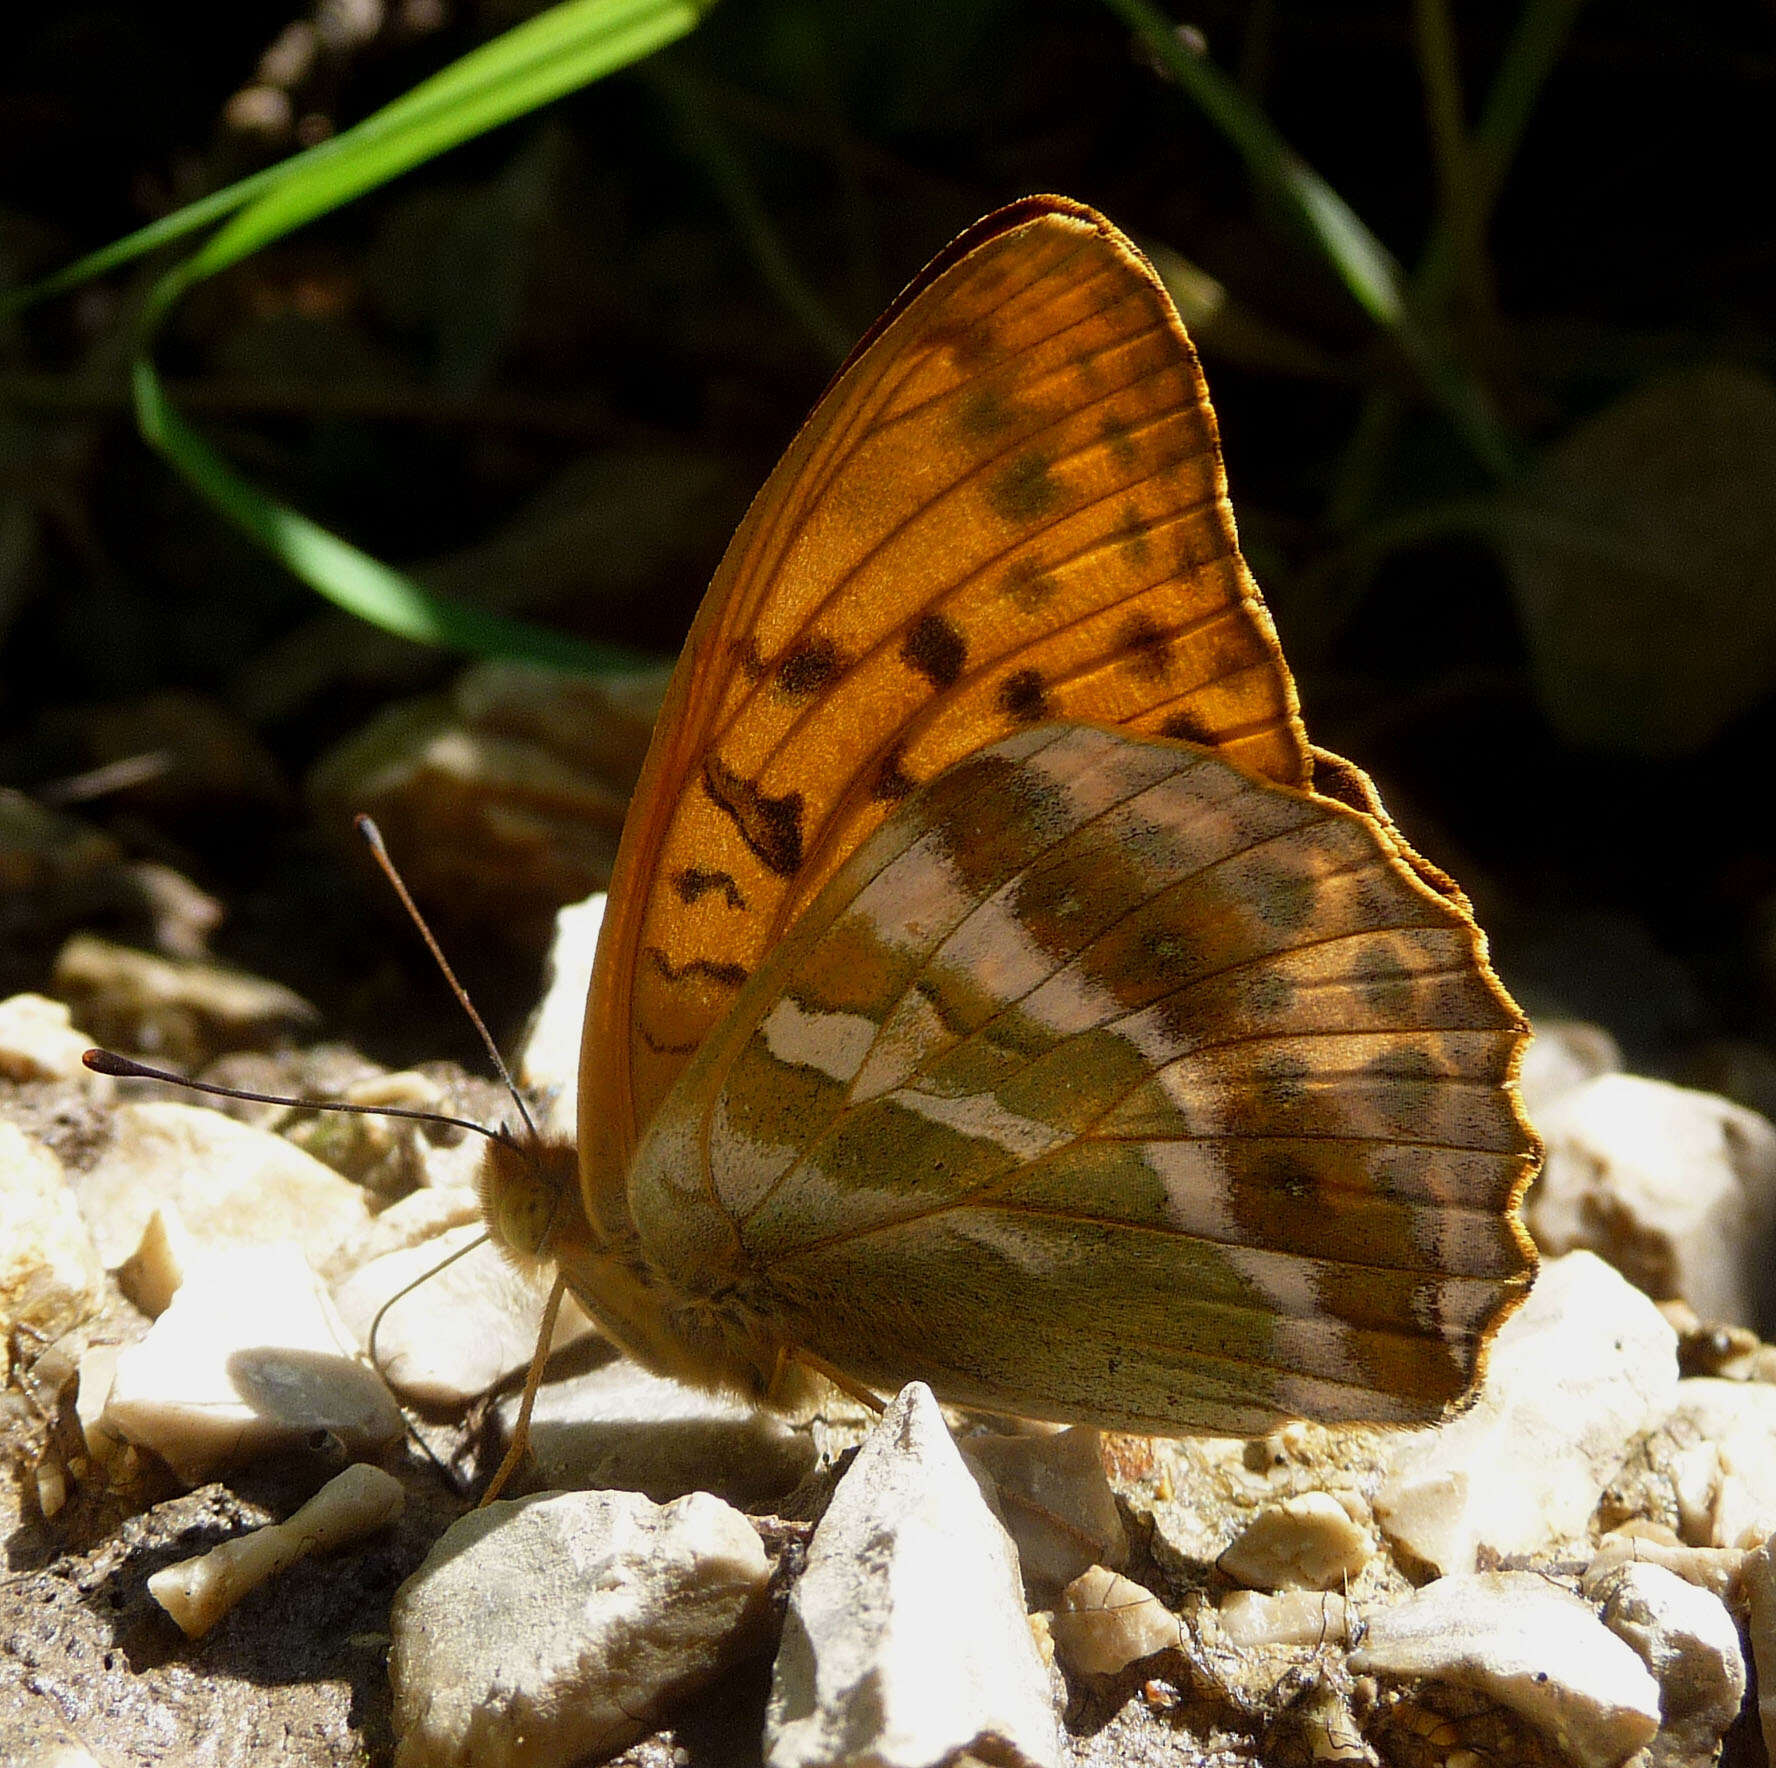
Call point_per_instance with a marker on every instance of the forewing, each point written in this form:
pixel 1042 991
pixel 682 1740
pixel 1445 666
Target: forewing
pixel 1109 1083
pixel 1008 508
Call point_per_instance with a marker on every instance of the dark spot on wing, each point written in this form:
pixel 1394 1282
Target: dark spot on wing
pixel 1282 1082
pixel 1145 648
pixel 1132 537
pixel 1388 983
pixel 936 648
pixel 1027 584
pixel 746 657
pixel 1292 1175
pixel 693 883
pixel 1408 1063
pixel 1186 727
pixel 771 827
pixel 710 969
pixel 970 342
pixel 1026 489
pixel 1284 898
pixel 1023 695
pixel 984 414
pixel 807 667
pixel 1122 444
pixel 1270 993
pixel 892 782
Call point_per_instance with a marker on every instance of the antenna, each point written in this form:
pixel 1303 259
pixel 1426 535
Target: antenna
pixel 128 1068
pixel 379 852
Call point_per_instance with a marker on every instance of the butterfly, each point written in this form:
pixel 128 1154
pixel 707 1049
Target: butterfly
pixel 997 988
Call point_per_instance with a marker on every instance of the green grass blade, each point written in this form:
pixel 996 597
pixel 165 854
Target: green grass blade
pixel 347 577
pixel 549 56
pixel 556 52
pixel 568 46
pixel 1362 263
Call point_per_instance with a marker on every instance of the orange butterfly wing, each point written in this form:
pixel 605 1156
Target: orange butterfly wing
pixel 1008 508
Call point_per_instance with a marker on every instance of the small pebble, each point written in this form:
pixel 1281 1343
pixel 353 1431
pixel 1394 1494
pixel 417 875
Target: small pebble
pixel 1104 1622
pixel 905 1645
pixel 250 1357
pixel 541 1631
pixel 1309 1542
pixel 197 1593
pixel 1530 1646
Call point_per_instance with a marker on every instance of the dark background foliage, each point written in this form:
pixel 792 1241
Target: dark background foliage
pixel 624 306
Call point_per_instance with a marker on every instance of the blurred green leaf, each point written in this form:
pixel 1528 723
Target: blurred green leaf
pixel 540 60
pixel 348 577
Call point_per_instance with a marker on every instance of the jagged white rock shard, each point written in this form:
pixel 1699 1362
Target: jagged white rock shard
pixel 906 1644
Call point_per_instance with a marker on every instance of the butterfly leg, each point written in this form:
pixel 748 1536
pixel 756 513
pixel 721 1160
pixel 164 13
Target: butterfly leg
pixel 791 1353
pixel 532 1381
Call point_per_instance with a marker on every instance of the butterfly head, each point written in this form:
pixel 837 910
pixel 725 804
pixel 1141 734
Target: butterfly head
pixel 530 1197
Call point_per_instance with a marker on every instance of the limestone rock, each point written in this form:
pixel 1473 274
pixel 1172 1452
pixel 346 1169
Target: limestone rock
pixel 1307 1542
pixel 1736 1420
pixel 620 1425
pixel 1530 1646
pixel 906 1645
pixel 1689 1642
pixel 1580 1370
pixel 249 1357
pixel 1714 1569
pixel 1053 1498
pixel 548 1066
pixel 1677 1189
pixel 459 1331
pixel 50 1277
pixel 198 1592
pixel 1252 1621
pixel 1104 1622
pixel 174 1009
pixel 1757 1582
pixel 232 1184
pixel 506 800
pixel 38 1042
pixel 540 1631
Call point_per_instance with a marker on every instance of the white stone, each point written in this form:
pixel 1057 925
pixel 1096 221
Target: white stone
pixel 1309 1542
pixel 1585 1366
pixel 250 1356
pixel 1051 1493
pixel 98 1367
pixel 151 1275
pixel 540 1631
pixel 50 1279
pixel 905 1645
pixel 1738 1420
pixel 38 1042
pixel 620 1425
pixel 1675 1188
pixel 1251 1620
pixel 1104 1622
pixel 1530 1646
pixel 412 1220
pixel 198 1592
pixel 1563 1054
pixel 232 1184
pixel 1689 1642
pixel 549 1063
pixel 464 1327
pixel 1714 1569
pixel 1757 1583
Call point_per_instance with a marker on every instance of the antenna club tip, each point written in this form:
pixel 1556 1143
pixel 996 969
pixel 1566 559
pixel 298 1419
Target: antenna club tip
pixel 104 1062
